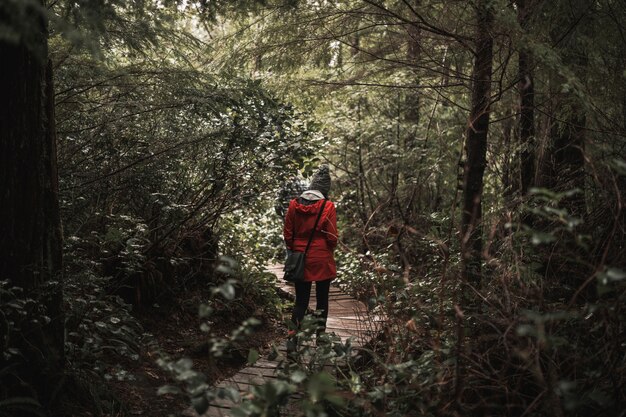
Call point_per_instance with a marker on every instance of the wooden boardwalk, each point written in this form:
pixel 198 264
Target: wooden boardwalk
pixel 345 319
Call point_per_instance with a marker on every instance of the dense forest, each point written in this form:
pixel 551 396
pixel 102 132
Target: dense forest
pixel 478 158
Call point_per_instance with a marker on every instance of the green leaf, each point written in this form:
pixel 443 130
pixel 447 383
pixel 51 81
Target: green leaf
pixel 615 274
pixel 253 356
pixel 600 397
pixel 28 404
pixel 541 237
pixel 168 389
pixel 525 330
pixel 205 311
pixel 273 354
pixel 336 400
pixel 620 166
pixel 320 385
pixel 224 269
pixel 200 404
pixel 238 412
pixel 611 275
pixel 227 289
pixel 20 401
pixel 298 376
pixel 183 364
pixel 355 382
pixel 232 394
pixel 230 261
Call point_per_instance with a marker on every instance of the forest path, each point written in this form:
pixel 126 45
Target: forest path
pixel 345 319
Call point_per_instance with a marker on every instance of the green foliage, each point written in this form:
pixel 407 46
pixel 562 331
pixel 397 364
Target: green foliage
pixel 361 277
pixel 20 406
pixel 243 291
pixel 126 26
pixel 232 298
pixel 174 157
pixel 254 234
pixel 100 328
pixel 611 280
pixel 22 314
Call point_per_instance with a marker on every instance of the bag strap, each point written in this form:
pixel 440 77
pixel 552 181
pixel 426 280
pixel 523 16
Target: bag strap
pixel 293 231
pixel 315 227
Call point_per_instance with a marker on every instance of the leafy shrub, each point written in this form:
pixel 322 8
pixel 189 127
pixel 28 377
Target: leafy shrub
pixel 235 297
pixel 100 328
pixel 23 316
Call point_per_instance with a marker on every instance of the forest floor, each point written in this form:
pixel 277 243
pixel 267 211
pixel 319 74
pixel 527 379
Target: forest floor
pixel 175 333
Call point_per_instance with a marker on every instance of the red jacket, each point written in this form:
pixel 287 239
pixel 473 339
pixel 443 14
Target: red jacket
pixel 320 262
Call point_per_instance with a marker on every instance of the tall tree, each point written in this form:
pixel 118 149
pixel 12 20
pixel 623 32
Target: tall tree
pixel 527 105
pixel 568 119
pixel 476 146
pixel 29 213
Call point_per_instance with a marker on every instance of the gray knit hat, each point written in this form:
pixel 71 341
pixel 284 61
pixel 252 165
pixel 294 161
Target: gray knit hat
pixel 321 180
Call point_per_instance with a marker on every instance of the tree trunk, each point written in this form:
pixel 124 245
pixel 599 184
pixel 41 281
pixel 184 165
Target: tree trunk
pixel 564 267
pixel 412 101
pixel 527 108
pixel 476 148
pixel 526 124
pixel 568 122
pixel 30 227
pixel 510 182
pixel 568 159
pixel 412 114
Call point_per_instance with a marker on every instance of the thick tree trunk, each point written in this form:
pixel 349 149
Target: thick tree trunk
pixel 476 148
pixel 474 169
pixel 30 231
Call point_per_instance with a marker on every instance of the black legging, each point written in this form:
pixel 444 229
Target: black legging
pixel 303 293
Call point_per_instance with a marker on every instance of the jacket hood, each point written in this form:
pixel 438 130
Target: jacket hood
pixel 312 195
pixel 313 208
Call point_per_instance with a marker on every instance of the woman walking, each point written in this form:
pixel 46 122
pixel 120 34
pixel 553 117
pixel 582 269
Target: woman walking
pixel 320 262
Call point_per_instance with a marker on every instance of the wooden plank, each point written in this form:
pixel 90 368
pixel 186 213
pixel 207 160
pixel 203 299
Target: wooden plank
pixel 253 370
pixel 265 363
pixel 342 312
pixel 241 386
pixel 245 379
pixel 217 412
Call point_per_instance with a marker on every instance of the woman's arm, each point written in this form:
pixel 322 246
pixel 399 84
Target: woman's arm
pixel 330 225
pixel 288 226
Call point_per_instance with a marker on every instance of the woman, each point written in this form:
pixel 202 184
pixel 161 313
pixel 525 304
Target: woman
pixel 320 262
